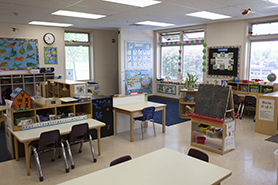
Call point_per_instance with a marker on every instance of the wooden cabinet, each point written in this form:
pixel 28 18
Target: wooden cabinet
pixel 26 82
pixel 252 89
pixel 187 102
pixel 65 88
pixel 78 109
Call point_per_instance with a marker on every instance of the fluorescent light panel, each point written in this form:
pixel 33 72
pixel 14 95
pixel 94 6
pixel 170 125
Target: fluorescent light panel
pixel 77 14
pixel 152 23
pixel 273 1
pixel 50 24
pixel 139 3
pixel 208 15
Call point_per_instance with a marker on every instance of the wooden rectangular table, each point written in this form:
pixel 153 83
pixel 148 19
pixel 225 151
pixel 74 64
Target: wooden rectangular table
pixel 134 109
pixel 163 167
pixel 27 136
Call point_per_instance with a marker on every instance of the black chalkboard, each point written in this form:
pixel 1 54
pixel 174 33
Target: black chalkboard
pixel 212 101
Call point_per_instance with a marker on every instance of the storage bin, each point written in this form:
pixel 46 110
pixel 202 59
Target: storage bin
pixel 201 139
pixel 214 134
pixel 203 128
pixel 83 97
pixel 24 121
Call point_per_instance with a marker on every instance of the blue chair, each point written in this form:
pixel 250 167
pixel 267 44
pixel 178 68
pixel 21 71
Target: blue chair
pixel 48 141
pixel 148 113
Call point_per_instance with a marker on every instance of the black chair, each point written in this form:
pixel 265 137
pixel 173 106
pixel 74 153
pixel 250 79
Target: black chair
pixel 80 133
pixel 148 113
pixel 249 104
pixel 198 154
pixel 48 141
pixel 237 103
pixel 120 160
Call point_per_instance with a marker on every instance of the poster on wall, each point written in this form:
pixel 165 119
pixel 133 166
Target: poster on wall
pixel 169 89
pixel 138 55
pixel 223 61
pixel 138 81
pixel 18 54
pixel 50 55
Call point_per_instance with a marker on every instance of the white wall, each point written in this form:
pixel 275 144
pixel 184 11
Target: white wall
pixel 130 35
pixel 37 32
pixel 105 53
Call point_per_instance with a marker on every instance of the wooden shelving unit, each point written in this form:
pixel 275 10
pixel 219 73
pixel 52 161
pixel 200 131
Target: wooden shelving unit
pixel 76 108
pixel 183 102
pixel 63 88
pixel 252 89
pixel 26 82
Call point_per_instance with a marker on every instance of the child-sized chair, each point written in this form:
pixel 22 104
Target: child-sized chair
pixel 249 104
pixel 48 141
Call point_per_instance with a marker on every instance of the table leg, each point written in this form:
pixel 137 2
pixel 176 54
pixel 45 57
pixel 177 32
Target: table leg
pixel 131 128
pixel 26 148
pixel 98 140
pixel 15 148
pixel 163 119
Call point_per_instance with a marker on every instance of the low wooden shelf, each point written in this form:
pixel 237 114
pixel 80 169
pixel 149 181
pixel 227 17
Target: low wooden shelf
pixel 183 102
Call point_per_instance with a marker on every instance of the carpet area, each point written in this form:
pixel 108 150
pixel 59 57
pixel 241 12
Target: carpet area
pixel 172 111
pixel 273 139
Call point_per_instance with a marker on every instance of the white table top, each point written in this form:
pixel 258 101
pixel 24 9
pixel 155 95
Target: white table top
pixel 133 107
pixel 162 167
pixel 33 134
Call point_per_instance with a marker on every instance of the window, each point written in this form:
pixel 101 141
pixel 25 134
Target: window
pixel 263 50
pixel 77 54
pixel 189 47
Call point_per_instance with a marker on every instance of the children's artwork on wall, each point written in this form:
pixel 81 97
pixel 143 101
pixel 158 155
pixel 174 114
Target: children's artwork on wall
pixel 50 55
pixel 223 61
pixel 79 89
pixel 18 54
pixel 138 81
pixel 138 55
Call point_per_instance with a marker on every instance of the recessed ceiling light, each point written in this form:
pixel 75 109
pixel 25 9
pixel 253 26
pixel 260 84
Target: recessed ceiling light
pixel 208 15
pixel 152 23
pixel 273 1
pixel 140 3
pixel 77 14
pixel 50 24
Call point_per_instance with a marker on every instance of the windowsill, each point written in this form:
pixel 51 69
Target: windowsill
pixel 171 82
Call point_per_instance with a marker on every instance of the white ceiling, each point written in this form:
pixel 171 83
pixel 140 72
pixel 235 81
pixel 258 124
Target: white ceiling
pixel 124 16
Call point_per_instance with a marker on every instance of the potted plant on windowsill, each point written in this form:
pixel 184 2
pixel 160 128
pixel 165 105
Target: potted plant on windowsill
pixel 190 81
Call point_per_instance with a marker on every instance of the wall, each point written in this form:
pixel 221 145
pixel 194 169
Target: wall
pixel 105 53
pixel 130 35
pixel 37 32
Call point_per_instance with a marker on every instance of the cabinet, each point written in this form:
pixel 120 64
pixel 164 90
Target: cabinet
pixel 65 88
pixel 78 109
pixel 103 111
pixel 220 144
pixel 187 102
pixel 252 89
pixel 26 82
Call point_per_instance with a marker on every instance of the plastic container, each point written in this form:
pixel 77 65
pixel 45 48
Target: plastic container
pixel 201 139
pixel 34 71
pixel 24 120
pixel 83 97
pixel 245 81
pixel 214 134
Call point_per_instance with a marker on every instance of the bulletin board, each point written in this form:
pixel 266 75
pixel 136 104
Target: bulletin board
pixel 18 54
pixel 138 81
pixel 169 89
pixel 223 61
pixel 138 55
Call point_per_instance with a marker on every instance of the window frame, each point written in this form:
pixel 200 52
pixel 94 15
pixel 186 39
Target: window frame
pixel 181 31
pixel 88 44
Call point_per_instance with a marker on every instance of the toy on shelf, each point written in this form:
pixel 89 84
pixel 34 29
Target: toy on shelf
pixel 21 99
pixel 190 98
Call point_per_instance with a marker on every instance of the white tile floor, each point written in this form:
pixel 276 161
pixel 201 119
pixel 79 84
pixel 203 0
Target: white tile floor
pixel 252 162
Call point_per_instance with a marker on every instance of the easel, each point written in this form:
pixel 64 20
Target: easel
pixel 220 144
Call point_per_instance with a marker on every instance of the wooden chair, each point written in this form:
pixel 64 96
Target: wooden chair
pixel 48 141
pixel 148 113
pixel 120 160
pixel 198 154
pixel 80 133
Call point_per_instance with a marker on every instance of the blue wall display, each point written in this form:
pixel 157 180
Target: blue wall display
pixel 138 81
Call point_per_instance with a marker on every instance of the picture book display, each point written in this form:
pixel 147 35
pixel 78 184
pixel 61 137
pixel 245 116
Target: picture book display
pixel 138 81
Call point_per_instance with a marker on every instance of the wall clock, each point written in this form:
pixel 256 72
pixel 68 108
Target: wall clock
pixel 49 38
